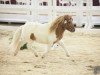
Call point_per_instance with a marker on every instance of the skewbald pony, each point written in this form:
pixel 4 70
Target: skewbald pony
pixel 31 32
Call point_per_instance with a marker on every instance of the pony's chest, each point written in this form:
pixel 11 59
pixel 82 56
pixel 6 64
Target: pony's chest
pixel 52 37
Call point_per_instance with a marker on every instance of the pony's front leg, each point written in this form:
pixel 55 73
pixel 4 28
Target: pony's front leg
pixel 63 46
pixel 47 50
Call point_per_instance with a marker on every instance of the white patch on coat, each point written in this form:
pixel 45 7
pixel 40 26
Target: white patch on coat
pixel 41 32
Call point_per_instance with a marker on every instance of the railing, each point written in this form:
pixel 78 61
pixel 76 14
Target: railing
pixel 36 10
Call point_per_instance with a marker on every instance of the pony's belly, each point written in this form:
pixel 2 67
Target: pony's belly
pixel 43 40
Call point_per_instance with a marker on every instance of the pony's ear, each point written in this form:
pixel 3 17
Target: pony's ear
pixel 65 21
pixel 64 24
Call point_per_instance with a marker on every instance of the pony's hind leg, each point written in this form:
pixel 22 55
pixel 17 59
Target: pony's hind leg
pixel 17 48
pixel 30 46
pixel 47 50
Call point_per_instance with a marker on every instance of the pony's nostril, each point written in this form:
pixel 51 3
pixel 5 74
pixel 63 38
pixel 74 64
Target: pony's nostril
pixel 73 30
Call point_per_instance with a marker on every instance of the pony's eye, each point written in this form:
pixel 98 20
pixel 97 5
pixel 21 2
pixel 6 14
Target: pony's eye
pixel 71 19
pixel 65 21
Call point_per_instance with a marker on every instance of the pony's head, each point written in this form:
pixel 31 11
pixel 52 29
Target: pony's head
pixel 68 23
pixel 64 22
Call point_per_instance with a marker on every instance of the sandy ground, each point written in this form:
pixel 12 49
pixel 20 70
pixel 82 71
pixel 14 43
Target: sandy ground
pixel 83 46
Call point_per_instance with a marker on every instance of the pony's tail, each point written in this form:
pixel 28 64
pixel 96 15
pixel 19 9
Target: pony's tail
pixel 16 40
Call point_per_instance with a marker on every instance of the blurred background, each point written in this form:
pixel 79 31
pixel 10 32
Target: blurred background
pixel 85 13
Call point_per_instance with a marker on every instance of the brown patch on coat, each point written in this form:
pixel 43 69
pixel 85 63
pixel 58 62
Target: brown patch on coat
pixel 32 37
pixel 59 33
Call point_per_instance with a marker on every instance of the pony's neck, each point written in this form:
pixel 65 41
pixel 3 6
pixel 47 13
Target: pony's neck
pixel 59 32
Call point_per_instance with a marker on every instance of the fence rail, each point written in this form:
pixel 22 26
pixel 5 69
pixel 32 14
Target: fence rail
pixel 88 15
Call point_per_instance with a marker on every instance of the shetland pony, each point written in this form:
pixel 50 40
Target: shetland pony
pixel 49 33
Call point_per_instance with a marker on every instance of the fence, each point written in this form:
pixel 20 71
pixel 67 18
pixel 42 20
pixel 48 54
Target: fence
pixel 37 10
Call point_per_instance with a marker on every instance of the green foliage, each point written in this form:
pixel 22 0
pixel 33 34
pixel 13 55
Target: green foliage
pixel 24 47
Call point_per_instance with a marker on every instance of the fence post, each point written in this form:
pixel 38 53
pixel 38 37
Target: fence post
pixel 89 23
pixel 79 13
pixel 34 8
pixel 50 6
pixel 54 11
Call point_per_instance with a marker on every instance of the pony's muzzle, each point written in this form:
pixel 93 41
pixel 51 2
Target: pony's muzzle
pixel 73 30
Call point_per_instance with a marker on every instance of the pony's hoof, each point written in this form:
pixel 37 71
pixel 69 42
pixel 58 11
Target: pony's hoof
pixel 68 55
pixel 15 54
pixel 73 60
pixel 43 57
pixel 36 55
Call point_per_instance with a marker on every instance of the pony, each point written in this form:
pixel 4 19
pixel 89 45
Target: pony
pixel 49 33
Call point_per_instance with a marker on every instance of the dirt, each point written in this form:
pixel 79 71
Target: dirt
pixel 84 49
